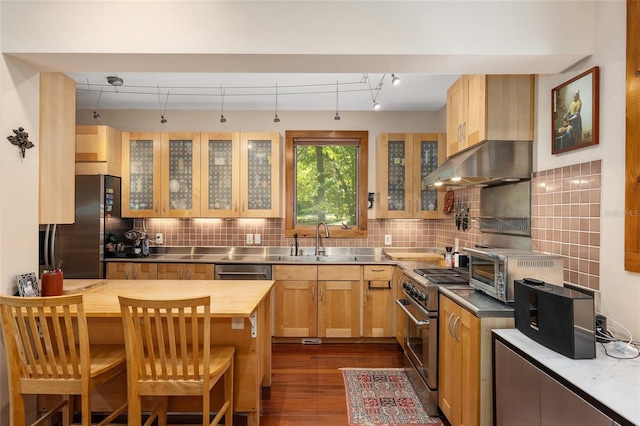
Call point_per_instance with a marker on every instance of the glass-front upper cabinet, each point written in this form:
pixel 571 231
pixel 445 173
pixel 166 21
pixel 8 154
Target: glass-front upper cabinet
pixel 241 175
pixel 260 186
pixel 180 175
pixel 160 175
pixel 220 181
pixel 141 167
pixel 403 160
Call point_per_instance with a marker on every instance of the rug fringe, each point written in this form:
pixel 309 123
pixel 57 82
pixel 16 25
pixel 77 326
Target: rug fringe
pixel 371 369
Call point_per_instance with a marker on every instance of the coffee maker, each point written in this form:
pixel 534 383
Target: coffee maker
pixel 140 242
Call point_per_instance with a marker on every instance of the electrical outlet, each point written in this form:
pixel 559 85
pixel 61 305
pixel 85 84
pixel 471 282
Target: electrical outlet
pixel 249 238
pixel 159 238
pixel 387 239
pixel 257 238
pixel 237 323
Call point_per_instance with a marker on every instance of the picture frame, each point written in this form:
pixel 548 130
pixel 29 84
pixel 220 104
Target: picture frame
pixel 28 285
pixel 575 112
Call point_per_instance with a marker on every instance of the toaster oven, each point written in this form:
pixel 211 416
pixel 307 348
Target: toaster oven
pixel 493 271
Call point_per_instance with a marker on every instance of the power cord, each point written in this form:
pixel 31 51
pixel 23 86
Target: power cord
pixel 606 336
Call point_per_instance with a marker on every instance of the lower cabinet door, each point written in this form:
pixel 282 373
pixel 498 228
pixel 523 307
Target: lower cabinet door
pixel 296 312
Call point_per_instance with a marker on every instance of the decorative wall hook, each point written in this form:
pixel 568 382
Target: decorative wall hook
pixel 21 140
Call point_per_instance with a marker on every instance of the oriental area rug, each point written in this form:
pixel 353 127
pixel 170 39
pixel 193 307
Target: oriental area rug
pixel 383 397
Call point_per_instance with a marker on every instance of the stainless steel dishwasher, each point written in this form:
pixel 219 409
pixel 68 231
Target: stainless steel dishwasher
pixel 243 271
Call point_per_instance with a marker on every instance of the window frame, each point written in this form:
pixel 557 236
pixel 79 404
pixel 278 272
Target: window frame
pixel 359 231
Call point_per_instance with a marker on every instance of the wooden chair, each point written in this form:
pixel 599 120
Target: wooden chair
pixel 48 352
pixel 169 353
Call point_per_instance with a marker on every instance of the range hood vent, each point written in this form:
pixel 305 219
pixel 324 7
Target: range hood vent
pixel 487 164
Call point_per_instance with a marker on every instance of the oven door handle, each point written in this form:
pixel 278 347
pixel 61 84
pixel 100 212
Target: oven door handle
pixel 411 316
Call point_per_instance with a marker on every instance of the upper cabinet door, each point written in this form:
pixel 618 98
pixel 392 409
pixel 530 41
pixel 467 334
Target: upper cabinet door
pixel 180 175
pixel 428 153
pixel 260 175
pixel 57 196
pixel 220 177
pixel 141 166
pixel 394 175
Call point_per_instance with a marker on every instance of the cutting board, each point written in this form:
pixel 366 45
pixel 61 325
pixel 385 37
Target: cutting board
pixel 429 257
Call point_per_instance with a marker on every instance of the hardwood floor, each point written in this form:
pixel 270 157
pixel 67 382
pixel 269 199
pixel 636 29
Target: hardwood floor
pixel 307 386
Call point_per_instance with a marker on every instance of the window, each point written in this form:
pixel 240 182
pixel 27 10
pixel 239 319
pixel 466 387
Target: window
pixel 326 180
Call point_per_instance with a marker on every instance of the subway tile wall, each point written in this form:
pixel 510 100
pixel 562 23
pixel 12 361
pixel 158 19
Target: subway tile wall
pixel 565 219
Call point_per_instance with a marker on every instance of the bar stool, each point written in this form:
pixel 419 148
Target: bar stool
pixel 169 353
pixel 48 353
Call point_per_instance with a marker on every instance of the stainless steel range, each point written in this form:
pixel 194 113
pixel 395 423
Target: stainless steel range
pixel 420 304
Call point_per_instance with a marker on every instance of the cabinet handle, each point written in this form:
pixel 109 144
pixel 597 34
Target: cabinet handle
pixel 126 274
pixel 164 207
pixel 455 326
pixel 321 294
pixel 313 294
pixel 417 206
pixel 459 132
pixel 449 324
pixel 377 270
pixel 157 208
pixel 135 274
pixel 188 274
pixel 180 274
pixel 464 131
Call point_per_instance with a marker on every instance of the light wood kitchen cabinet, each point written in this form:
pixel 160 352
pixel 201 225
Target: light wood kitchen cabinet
pixel 378 300
pixel 527 396
pixel 161 174
pixel 489 107
pixel 57 196
pixel 241 175
pixel 317 301
pixel 98 150
pixel 132 271
pixel 632 174
pixel 296 306
pixel 404 159
pixel 185 271
pixel 339 303
pixel 400 317
pixel 465 393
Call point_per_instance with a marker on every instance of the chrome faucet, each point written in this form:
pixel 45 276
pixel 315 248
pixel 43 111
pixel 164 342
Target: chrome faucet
pixel 319 247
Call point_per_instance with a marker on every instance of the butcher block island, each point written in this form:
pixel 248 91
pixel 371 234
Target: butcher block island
pixel 240 311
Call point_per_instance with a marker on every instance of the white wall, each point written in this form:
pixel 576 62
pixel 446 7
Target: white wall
pixel 19 107
pixel 620 290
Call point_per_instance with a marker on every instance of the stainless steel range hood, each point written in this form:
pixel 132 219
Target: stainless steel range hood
pixel 487 164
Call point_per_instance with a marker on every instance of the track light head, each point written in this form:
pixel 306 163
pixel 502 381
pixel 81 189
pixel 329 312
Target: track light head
pixel 162 119
pixel 96 115
pixel 222 119
pixel 276 119
pixel 395 80
pixel 376 106
pixel 337 117
pixel 115 81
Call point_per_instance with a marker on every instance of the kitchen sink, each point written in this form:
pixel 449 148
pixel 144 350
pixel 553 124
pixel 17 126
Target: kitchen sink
pixel 327 259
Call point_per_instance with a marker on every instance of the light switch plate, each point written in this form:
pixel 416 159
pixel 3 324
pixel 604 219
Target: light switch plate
pixel 249 238
pixel 387 239
pixel 257 238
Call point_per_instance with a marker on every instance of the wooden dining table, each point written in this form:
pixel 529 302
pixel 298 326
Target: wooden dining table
pixel 241 317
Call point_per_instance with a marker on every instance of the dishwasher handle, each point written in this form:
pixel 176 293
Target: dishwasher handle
pixel 242 273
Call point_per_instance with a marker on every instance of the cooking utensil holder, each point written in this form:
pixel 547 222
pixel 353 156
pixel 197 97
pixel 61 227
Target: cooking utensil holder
pixel 52 284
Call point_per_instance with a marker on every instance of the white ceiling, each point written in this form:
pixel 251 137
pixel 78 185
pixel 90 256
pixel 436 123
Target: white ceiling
pixel 257 91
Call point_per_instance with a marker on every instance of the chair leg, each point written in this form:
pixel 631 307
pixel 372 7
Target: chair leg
pixel 134 414
pixel 164 408
pixel 228 394
pixel 16 410
pixel 85 404
pixel 67 410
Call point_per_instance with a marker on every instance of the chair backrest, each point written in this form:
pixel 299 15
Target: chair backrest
pixel 167 340
pixel 45 337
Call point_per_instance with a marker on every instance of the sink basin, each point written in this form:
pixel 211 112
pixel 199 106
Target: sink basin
pixel 297 259
pixel 337 258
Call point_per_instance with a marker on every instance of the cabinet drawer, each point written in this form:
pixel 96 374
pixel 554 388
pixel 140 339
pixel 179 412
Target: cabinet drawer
pixel 298 272
pixel 339 273
pixel 374 272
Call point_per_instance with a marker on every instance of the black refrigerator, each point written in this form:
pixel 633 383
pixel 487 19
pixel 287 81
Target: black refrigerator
pixel 81 247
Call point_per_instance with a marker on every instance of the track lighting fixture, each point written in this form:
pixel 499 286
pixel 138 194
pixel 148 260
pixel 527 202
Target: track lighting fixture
pixel 115 81
pixel 376 105
pixel 96 116
pixel 337 116
pixel 222 119
pixel 276 119
pixel 395 80
pixel 162 119
pixel 374 98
